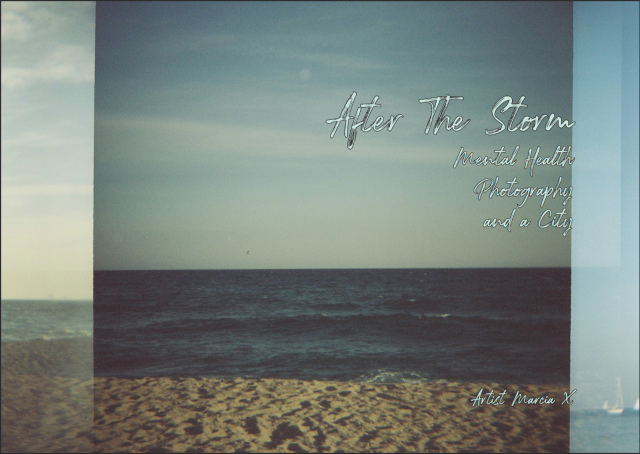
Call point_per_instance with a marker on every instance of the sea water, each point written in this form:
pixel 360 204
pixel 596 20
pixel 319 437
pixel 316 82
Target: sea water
pixel 394 325
pixel 503 325
pixel 46 320
pixel 599 431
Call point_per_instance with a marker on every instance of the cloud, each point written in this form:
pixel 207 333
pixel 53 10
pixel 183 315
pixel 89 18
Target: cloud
pixel 67 63
pixel 14 25
pixel 44 42
pixel 305 74
pixel 47 143
pixel 32 21
pixel 147 139
pixel 339 60
pixel 41 139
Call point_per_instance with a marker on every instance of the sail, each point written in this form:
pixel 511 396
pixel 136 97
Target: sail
pixel 619 406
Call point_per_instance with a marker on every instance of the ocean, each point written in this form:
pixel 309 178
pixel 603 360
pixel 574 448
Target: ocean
pixel 24 320
pixel 402 325
pixel 598 431
pixel 377 325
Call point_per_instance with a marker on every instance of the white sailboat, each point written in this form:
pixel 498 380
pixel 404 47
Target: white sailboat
pixel 636 407
pixel 619 406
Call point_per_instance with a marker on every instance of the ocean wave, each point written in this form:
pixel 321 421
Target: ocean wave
pixel 66 334
pixel 47 336
pixel 292 324
pixel 385 376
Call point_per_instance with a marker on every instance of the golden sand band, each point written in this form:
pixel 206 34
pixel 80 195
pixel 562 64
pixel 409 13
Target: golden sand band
pixel 271 415
pixel 43 411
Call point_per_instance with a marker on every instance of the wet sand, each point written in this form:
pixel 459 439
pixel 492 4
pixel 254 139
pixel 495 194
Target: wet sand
pixel 47 396
pixel 51 403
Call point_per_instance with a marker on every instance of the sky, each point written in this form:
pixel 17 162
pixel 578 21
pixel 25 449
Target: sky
pixel 213 150
pixel 604 264
pixel 47 150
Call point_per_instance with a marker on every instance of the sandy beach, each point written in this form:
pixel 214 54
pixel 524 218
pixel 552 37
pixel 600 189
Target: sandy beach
pixel 48 398
pixel 270 415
